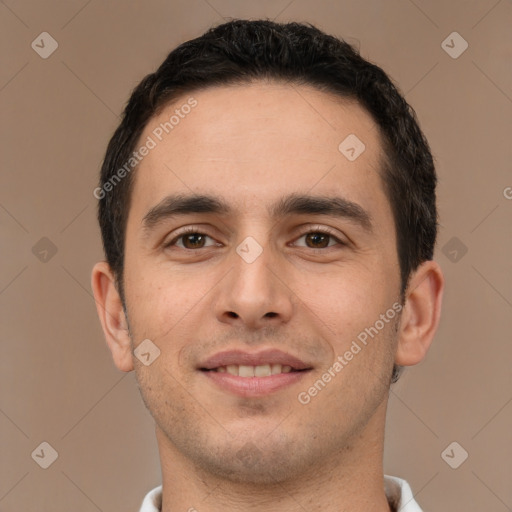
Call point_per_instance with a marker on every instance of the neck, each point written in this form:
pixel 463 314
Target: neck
pixel 350 479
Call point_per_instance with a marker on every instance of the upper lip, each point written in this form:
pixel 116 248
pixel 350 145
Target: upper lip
pixel 240 357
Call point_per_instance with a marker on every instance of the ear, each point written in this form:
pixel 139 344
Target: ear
pixel 421 314
pixel 112 316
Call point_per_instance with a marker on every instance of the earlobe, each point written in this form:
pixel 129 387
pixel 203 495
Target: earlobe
pixel 112 316
pixel 421 314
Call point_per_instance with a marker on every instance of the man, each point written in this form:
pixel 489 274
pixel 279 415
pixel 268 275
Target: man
pixel 268 215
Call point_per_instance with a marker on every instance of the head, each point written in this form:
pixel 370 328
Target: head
pixel 248 119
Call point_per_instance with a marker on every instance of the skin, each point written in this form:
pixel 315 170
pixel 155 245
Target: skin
pixel 250 146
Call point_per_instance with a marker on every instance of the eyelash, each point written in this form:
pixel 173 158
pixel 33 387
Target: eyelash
pixel 192 230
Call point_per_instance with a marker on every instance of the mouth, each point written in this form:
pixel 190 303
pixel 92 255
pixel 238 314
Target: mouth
pixel 254 374
pixel 263 370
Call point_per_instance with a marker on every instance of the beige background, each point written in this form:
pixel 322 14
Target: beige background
pixel 58 383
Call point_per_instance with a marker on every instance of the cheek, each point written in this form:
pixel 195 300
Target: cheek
pixel 160 299
pixel 171 309
pixel 345 300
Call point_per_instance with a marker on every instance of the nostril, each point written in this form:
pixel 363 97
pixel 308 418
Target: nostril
pixel 271 314
pixel 232 314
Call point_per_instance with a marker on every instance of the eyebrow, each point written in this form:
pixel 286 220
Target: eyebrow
pixel 179 204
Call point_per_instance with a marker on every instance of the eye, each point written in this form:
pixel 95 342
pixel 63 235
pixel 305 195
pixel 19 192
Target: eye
pixel 191 239
pixel 319 239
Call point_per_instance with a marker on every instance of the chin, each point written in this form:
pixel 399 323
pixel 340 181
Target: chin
pixel 261 469
pixel 255 462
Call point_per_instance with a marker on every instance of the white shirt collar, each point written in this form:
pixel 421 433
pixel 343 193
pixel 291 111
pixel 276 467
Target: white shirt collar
pixel 397 490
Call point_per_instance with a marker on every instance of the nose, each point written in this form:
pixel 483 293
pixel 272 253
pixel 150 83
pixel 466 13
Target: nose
pixel 254 294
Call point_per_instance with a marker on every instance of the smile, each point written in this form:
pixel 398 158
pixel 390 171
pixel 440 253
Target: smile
pixel 263 370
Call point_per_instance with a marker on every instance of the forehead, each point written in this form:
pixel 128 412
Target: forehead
pixel 251 143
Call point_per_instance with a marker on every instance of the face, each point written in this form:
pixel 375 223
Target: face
pixel 289 260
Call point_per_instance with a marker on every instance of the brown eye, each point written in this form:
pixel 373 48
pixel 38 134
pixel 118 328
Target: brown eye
pixel 193 241
pixel 317 240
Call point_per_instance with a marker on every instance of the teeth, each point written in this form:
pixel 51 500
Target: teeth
pixel 276 368
pixel 232 369
pixel 245 371
pixel 263 370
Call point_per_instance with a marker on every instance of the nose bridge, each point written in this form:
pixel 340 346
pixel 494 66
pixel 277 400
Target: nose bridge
pixel 252 277
pixel 253 293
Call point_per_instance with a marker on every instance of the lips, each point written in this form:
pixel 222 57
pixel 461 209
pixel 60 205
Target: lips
pixel 264 363
pixel 253 374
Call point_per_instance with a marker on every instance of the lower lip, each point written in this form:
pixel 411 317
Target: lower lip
pixel 254 386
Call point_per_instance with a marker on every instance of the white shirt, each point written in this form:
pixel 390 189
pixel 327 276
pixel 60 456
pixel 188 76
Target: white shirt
pixel 398 492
